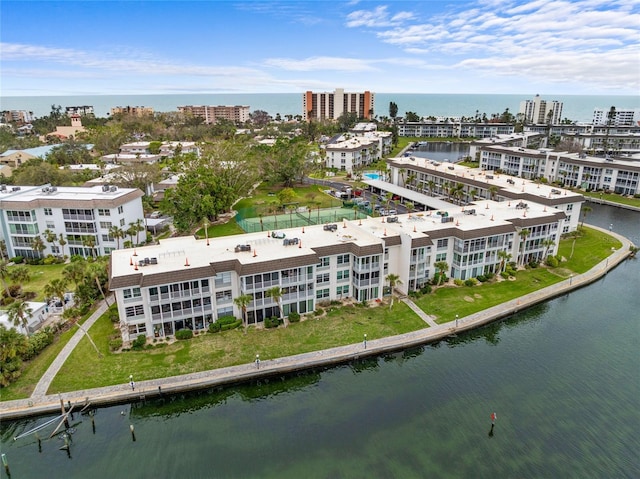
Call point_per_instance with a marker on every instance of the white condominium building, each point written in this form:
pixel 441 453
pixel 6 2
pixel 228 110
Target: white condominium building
pixel 83 217
pixel 189 283
pixel 330 106
pixel 624 117
pixel 362 146
pixel 541 111
pixel 211 114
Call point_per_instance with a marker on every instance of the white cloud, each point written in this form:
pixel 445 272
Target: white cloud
pixel 379 17
pixel 321 64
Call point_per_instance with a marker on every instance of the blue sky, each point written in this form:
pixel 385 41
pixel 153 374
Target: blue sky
pixel 154 47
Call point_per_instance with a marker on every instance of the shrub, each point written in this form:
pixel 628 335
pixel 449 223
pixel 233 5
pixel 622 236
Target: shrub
pixel 319 312
pixel 36 343
pixel 17 259
pixel 552 261
pixel 481 277
pixel 233 325
pixel 471 282
pixel 112 314
pixel 115 344
pixel 215 327
pixel 271 322
pixel 139 342
pixel 505 274
pixel 50 259
pixel 534 264
pixel 458 282
pixel 184 334
pixel 426 289
pixel 294 317
pixel 226 320
pixel 489 275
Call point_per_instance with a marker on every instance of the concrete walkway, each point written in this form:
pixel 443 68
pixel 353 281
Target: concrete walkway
pixel 425 317
pixel 45 381
pixel 46 404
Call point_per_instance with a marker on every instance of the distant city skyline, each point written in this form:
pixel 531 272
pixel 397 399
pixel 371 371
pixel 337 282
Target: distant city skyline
pixel 580 47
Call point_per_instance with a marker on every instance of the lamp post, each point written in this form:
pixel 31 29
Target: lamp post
pixel 571 280
pixel 257 361
pixel 131 383
pixel 456 320
pixel 365 341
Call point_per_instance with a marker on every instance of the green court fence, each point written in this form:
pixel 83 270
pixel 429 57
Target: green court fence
pixel 296 219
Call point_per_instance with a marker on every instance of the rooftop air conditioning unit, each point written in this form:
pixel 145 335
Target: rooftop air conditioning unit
pixel 45 189
pixel 15 188
pixel 53 188
pixel 113 188
pixel 3 187
pixel 105 187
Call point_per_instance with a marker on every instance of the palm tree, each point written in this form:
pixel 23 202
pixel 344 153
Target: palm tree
pixel 275 293
pixel 139 227
pixel 504 256
pixel 493 190
pixel 574 234
pixel 4 274
pixel 98 271
pixel 74 272
pixel 38 245
pixel 51 237
pixel 116 232
pixel 585 210
pixel 62 242
pixel 410 206
pixel 56 287
pixel 431 184
pixel 393 280
pixel 441 267
pixel 548 244
pixel 523 240
pixel 19 313
pixel 242 302
pixel 89 242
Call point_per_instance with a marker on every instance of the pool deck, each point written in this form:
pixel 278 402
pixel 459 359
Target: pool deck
pixel 41 403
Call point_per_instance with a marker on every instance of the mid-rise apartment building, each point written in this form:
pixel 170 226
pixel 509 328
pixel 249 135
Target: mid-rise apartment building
pixel 83 217
pixel 82 110
pixel 541 111
pixel 331 105
pixel 189 283
pixel 139 152
pixel 360 147
pixel 616 117
pixel 449 129
pixel 210 114
pixel 17 116
pixel 132 110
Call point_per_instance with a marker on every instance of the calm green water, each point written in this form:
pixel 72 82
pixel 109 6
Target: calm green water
pixel 563 378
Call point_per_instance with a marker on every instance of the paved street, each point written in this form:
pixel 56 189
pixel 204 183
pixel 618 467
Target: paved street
pixel 41 403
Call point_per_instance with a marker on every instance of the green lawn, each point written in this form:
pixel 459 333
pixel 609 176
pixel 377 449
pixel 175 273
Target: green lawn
pixel 339 326
pixel 592 246
pixel 625 200
pixel 40 276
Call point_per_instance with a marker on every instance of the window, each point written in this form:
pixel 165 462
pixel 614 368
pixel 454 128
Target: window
pixel 443 243
pixel 441 257
pixel 343 274
pixel 324 262
pixel 120 209
pixel 223 279
pixel 343 259
pixel 122 222
pixel 223 296
pixel 51 225
pixel 131 293
pixel 132 311
pixel 104 212
pixel 107 238
pixel 322 293
pixel 342 290
pixel 105 225
pixel 322 278
pixel 222 312
pixel 48 212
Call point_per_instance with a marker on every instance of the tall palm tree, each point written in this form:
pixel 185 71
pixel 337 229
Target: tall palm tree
pixel 441 267
pixel 139 227
pixel 62 243
pixel 493 190
pixel 574 234
pixel 548 243
pixel 275 294
pixel 51 237
pixel 242 302
pixel 98 271
pixel 585 210
pixel 393 280
pixel 74 272
pixel 90 242
pixel 504 256
pixel 116 232
pixel 38 245
pixel 431 184
pixel 523 233
pixel 19 313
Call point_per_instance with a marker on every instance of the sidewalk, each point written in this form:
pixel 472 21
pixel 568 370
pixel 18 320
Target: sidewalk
pixel 43 404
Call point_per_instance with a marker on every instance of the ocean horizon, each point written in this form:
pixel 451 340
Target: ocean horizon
pixel 577 108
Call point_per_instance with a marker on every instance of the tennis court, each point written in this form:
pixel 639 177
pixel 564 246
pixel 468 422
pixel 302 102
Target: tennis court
pixel 298 219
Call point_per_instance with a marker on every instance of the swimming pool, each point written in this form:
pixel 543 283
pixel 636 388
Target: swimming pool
pixel 372 176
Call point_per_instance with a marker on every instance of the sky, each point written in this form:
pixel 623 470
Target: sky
pixel 582 47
